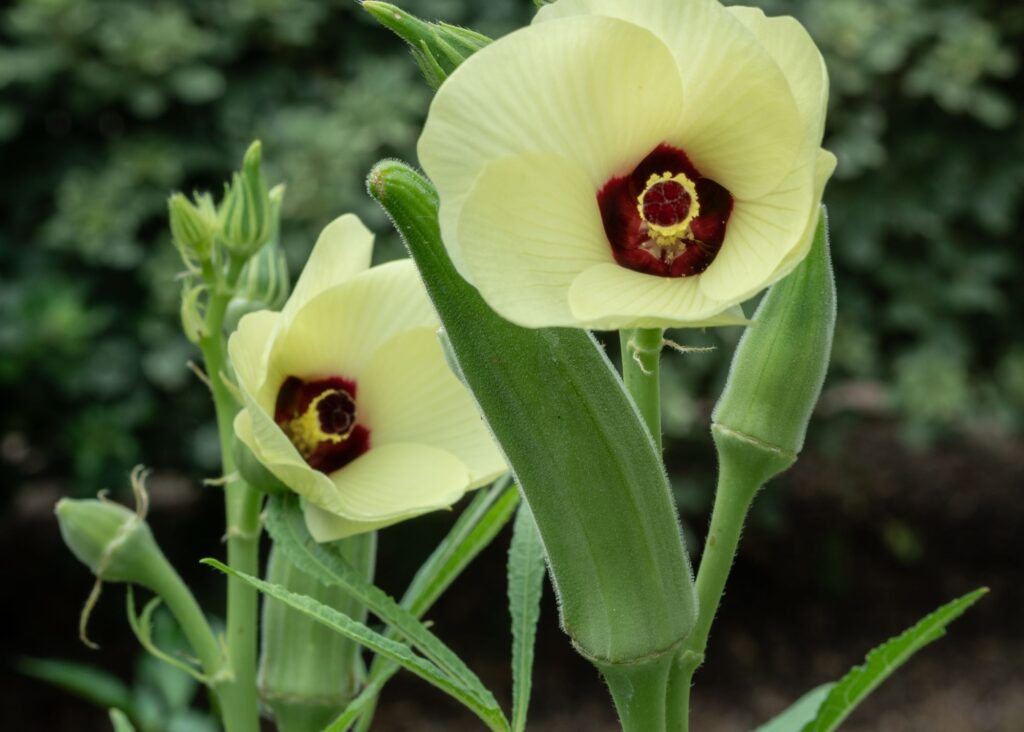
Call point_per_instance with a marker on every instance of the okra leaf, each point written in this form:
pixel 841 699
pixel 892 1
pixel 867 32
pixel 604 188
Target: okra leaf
pixel 881 662
pixel 525 587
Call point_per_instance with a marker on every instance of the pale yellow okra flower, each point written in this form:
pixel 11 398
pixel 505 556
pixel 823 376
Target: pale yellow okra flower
pixel 631 163
pixel 348 398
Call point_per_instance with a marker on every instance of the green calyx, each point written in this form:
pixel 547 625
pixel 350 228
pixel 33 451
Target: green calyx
pixel 253 472
pixel 779 366
pixel 437 47
pixel 601 500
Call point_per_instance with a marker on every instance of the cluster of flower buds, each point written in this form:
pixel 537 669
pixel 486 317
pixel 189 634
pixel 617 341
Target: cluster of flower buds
pixel 245 220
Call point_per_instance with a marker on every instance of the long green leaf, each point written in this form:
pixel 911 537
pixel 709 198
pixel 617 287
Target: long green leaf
pixel 87 682
pixel 120 721
pixel 880 663
pixel 287 526
pixel 525 586
pixel 799 713
pixel 474 530
pixel 365 636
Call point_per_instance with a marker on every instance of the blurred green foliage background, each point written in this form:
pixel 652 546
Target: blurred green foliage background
pixel 106 106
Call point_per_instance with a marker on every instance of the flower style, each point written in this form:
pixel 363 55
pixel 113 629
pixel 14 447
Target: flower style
pixel 650 163
pixel 348 398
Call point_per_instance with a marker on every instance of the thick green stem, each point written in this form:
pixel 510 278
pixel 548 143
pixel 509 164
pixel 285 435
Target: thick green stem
pixel 641 371
pixel 744 466
pixel 240 707
pixel 639 693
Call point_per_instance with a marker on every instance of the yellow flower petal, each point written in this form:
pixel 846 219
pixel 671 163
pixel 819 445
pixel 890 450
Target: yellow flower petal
pixel 395 481
pixel 325 526
pixel 597 91
pixel 342 251
pixel 529 227
pixel 794 51
pixel 825 164
pixel 336 332
pixel 759 235
pixel 740 124
pixel 409 394
pixel 386 484
pixel 249 348
pixel 610 297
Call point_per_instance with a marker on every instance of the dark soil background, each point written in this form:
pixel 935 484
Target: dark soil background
pixel 849 548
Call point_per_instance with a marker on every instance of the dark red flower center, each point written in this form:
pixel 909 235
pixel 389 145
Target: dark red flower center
pixel 319 418
pixel 665 218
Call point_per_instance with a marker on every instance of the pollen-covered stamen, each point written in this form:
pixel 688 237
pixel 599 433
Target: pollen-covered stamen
pixel 668 205
pixel 319 417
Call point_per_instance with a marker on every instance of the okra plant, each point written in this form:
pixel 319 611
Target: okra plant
pixel 615 166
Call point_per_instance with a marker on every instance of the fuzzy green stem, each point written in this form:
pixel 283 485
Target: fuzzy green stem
pixel 641 371
pixel 639 693
pixel 744 466
pixel 180 601
pixel 240 707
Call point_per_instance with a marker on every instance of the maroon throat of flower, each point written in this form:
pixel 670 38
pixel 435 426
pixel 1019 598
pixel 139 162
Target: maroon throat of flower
pixel 665 218
pixel 319 418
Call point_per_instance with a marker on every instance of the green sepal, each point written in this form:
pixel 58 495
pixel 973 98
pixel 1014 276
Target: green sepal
pixel 437 47
pixel 780 363
pixel 585 463
pixel 253 472
pixel 247 214
pixel 194 226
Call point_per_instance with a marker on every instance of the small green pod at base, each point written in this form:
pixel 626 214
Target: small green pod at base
pixel 308 673
pixel 253 472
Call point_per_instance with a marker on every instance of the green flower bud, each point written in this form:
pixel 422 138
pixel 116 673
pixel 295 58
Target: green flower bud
pixel 437 47
pixel 248 216
pixel 194 226
pixel 264 283
pixel 112 541
pixel 308 673
pixel 780 363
